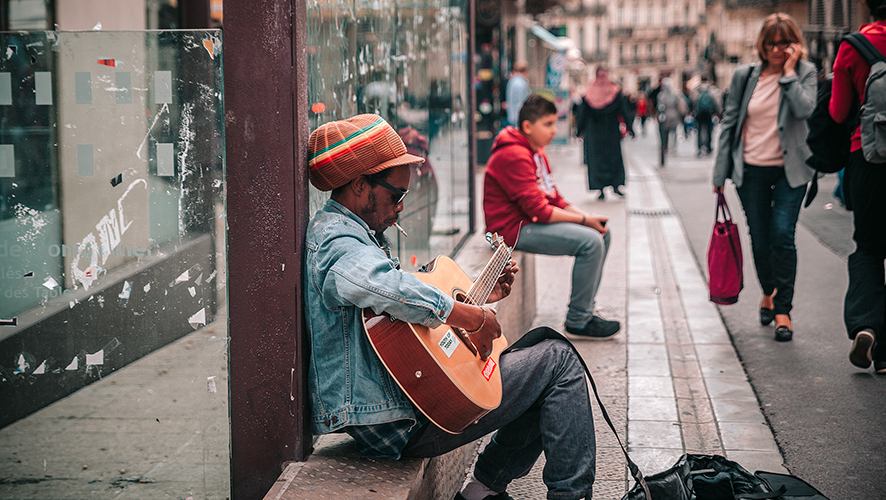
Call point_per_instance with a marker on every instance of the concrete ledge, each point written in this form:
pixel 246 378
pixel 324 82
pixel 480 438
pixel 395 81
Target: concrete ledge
pixel 338 471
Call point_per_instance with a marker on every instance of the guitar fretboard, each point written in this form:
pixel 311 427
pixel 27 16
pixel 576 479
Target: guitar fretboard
pixel 484 284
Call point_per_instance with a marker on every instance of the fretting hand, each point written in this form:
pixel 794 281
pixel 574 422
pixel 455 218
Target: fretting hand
pixel 502 287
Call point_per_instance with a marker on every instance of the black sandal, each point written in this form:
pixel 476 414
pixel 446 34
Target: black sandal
pixel 783 334
pixel 767 316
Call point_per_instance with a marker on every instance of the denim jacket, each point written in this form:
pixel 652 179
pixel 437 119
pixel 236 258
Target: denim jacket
pixel 346 270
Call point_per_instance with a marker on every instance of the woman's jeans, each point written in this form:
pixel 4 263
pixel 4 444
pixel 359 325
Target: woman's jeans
pixel 772 207
pixel 588 247
pixel 865 193
pixel 545 407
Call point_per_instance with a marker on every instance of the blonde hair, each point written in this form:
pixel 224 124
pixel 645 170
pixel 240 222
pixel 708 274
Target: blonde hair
pixel 778 24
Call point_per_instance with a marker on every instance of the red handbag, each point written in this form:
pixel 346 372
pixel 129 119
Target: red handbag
pixel 724 257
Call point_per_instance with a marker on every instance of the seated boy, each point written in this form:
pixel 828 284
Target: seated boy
pixel 521 199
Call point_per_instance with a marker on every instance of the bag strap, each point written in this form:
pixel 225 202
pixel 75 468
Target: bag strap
pixel 744 82
pixel 781 490
pixel 541 333
pixel 865 47
pixel 723 208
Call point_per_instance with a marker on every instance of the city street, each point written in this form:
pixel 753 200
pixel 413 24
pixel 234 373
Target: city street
pixel 825 413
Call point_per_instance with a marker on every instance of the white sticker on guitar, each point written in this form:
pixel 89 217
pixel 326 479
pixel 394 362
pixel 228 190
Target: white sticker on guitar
pixel 448 343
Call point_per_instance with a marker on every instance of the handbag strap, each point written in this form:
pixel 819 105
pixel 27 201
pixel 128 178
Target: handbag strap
pixel 535 336
pixel 722 207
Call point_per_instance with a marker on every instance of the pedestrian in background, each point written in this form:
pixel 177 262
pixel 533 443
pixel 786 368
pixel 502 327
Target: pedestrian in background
pixel 604 117
pixel 644 108
pixel 864 185
pixel 688 119
pixel 671 107
pixel 706 103
pixel 516 91
pixel 762 148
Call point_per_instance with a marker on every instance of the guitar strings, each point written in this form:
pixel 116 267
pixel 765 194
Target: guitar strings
pixel 488 279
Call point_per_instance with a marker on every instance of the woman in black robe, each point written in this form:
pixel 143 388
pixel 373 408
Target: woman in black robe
pixel 604 116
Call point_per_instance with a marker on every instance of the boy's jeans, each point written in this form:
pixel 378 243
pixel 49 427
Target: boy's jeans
pixel 589 249
pixel 546 408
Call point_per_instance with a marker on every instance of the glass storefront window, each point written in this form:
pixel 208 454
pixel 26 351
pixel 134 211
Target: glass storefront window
pixel 407 62
pixel 113 339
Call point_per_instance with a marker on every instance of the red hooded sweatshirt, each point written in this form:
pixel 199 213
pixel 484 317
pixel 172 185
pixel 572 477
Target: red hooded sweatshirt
pixel 851 72
pixel 518 187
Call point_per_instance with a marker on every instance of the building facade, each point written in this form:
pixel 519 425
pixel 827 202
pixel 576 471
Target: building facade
pixel 641 41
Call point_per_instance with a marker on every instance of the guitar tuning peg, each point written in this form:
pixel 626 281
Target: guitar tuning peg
pixel 492 239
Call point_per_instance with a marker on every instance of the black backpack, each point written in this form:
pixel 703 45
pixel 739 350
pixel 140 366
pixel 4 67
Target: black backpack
pixel 828 140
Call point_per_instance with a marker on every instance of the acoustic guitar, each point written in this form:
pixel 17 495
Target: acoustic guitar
pixel 439 368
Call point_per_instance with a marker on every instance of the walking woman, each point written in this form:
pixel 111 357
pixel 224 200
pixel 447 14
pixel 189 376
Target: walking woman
pixel 762 148
pixel 864 185
pixel 601 114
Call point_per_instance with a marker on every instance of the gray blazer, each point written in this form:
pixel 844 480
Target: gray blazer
pixel 795 104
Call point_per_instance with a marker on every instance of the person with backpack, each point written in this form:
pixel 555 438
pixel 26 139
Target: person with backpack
pixel 864 186
pixel 706 104
pixel 762 148
pixel 672 108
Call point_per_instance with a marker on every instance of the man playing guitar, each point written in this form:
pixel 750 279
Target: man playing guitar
pixel 545 405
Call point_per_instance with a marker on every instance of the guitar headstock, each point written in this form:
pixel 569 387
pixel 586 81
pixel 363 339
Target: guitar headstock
pixel 496 241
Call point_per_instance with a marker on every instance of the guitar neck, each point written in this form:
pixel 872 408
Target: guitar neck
pixel 482 287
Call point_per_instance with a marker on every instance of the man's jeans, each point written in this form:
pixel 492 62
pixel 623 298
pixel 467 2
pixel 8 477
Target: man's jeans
pixel 865 304
pixel 705 124
pixel 546 408
pixel 588 247
pixel 772 207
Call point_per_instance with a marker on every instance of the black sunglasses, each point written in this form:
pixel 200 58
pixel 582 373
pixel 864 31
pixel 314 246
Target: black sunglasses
pixel 399 192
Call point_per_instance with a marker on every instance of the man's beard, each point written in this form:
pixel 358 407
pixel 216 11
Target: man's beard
pixel 370 216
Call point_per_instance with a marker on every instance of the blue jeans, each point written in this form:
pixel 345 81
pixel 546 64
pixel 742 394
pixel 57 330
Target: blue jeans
pixel 705 125
pixel 772 207
pixel 546 408
pixel 588 247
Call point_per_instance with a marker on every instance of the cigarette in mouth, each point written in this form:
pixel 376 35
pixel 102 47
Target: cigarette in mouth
pixel 401 230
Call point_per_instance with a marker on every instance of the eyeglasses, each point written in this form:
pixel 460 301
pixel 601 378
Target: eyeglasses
pixel 781 45
pixel 399 192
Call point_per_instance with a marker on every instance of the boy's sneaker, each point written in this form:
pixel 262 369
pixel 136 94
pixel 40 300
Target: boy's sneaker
pixel 597 328
pixel 860 354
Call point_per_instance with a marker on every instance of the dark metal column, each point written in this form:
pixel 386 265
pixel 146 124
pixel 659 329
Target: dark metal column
pixel 266 134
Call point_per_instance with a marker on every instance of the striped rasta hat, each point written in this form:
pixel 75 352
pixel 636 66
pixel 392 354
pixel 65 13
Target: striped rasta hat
pixel 340 151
